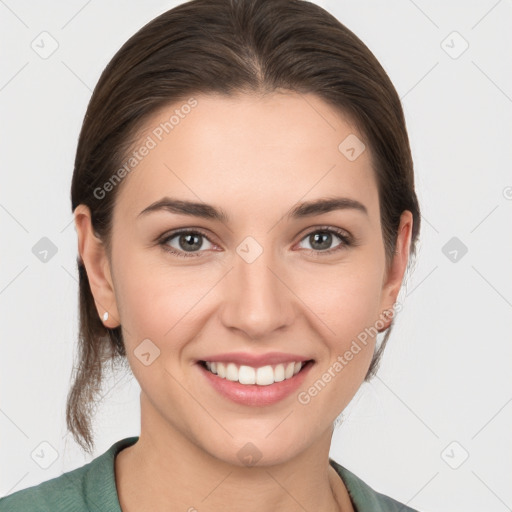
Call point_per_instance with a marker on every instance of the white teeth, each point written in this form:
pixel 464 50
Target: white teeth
pixel 279 373
pixel 231 372
pixel 221 370
pixel 263 376
pixel 247 375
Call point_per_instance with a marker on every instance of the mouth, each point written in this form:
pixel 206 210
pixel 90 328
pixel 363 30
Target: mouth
pixel 253 386
pixel 259 376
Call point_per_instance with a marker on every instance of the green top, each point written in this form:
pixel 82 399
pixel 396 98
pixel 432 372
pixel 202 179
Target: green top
pixel 92 488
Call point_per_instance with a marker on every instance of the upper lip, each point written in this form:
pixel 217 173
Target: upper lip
pixel 255 360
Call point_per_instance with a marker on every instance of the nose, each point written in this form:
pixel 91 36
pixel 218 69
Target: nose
pixel 256 298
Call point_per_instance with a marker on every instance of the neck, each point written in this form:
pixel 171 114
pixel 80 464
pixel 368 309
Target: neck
pixel 166 469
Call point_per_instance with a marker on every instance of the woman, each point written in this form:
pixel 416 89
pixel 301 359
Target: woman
pixel 244 202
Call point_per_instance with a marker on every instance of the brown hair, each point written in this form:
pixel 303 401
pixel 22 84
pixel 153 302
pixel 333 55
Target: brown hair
pixel 226 47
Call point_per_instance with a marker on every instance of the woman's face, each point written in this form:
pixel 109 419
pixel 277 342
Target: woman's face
pixel 259 281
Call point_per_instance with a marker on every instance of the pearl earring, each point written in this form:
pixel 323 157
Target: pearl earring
pixel 105 316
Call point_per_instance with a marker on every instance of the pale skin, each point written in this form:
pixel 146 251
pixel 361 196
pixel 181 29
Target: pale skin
pixel 255 157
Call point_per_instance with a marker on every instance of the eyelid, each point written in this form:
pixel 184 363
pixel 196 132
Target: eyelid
pixel 339 231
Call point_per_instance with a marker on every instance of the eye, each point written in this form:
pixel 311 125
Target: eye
pixel 186 244
pixel 321 239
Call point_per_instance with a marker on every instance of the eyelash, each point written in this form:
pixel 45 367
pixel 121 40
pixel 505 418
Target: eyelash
pixel 347 241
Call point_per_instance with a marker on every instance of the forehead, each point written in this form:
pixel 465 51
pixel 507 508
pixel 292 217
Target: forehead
pixel 279 148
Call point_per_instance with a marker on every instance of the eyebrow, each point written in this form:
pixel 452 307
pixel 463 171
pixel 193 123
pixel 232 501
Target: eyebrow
pixel 206 211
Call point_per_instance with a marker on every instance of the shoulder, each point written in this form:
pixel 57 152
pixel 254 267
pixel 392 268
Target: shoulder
pixel 90 487
pixel 364 498
pixel 60 493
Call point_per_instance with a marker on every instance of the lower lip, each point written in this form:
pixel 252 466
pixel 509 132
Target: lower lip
pixel 253 394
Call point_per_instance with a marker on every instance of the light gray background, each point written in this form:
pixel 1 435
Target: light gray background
pixel 443 392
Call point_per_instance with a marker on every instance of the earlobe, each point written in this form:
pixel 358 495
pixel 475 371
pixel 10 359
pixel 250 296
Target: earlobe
pixel 398 266
pixel 95 259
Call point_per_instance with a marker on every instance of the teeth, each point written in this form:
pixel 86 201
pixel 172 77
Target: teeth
pixel 263 376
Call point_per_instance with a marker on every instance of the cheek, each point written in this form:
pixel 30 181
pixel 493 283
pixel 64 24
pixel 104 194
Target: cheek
pixel 157 301
pixel 361 299
pixel 155 304
pixel 141 294
pixel 348 305
pixel 346 299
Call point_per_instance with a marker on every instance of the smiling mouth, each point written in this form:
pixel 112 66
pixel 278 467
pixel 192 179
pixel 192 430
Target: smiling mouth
pixel 262 376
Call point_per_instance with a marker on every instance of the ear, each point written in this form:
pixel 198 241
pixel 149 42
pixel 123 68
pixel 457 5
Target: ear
pixel 94 256
pixel 397 267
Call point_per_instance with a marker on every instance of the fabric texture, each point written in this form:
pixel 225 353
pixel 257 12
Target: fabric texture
pixel 92 488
